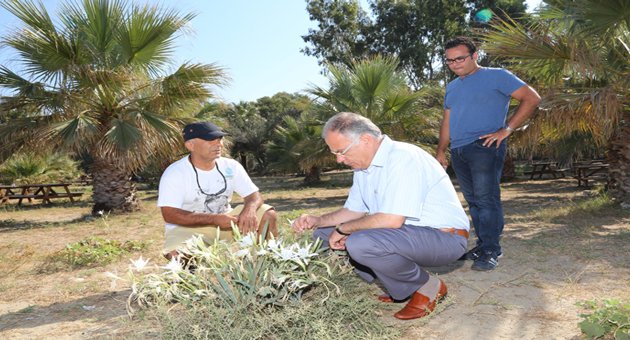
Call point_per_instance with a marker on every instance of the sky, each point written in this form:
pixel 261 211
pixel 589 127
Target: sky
pixel 257 42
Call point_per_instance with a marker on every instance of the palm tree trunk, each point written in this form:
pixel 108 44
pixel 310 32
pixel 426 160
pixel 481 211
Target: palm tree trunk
pixel 113 190
pixel 619 160
pixel 313 175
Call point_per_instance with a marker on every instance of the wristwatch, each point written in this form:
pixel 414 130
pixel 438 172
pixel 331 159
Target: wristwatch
pixel 508 128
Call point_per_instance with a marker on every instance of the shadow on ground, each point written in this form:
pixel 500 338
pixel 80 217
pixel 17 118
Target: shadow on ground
pixel 94 309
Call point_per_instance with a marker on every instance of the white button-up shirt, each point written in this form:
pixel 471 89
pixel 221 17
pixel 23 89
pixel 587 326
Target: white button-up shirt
pixel 407 181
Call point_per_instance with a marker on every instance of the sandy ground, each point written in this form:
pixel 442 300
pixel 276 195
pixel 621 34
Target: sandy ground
pixel 555 255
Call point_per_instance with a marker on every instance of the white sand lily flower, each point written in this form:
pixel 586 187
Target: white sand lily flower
pixel 262 252
pixel 139 264
pixel 304 253
pixel 247 241
pixel 286 254
pixel 174 266
pixel 242 253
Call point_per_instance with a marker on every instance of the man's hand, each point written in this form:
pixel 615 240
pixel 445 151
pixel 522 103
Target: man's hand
pixel 441 158
pixel 497 137
pixel 305 222
pixel 225 221
pixel 247 221
pixel 337 241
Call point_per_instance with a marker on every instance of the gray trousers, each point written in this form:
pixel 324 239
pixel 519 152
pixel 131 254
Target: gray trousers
pixel 396 256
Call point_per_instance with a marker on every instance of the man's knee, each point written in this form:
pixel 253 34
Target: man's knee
pixel 270 215
pixel 269 219
pixel 362 245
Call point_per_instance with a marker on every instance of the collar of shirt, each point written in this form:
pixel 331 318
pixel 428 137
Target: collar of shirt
pixel 382 154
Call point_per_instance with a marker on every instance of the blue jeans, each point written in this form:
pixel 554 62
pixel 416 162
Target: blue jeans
pixel 478 170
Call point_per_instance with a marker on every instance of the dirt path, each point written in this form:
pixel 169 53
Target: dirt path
pixel 556 253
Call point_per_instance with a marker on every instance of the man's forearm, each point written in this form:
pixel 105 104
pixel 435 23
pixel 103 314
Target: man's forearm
pixel 252 201
pixel 187 218
pixel 339 216
pixel 529 100
pixel 378 220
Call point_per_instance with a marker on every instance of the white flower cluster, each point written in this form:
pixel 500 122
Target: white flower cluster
pixel 268 271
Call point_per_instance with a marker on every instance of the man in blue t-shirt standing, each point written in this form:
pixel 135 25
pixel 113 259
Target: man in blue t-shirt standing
pixel 475 112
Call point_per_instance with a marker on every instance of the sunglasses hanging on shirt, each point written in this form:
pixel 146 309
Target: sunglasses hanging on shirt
pixel 199 186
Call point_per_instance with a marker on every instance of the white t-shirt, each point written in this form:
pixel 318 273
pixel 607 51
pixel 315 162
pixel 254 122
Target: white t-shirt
pixel 405 180
pixel 179 188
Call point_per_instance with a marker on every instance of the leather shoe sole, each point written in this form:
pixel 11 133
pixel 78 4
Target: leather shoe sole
pixel 385 298
pixel 420 306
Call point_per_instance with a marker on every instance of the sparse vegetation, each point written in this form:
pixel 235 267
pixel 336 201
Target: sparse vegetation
pixel 97 251
pixel 606 319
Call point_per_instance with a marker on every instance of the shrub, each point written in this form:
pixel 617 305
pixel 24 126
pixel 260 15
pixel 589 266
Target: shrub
pixel 32 168
pixel 608 319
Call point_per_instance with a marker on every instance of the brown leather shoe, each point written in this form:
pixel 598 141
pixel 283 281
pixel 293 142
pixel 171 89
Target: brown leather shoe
pixel 420 306
pixel 385 298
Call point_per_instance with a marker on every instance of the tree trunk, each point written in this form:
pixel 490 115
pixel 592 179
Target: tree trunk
pixel 243 159
pixel 113 190
pixel 619 160
pixel 313 175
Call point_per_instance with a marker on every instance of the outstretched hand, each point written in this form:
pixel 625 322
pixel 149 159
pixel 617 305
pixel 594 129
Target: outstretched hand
pixel 305 222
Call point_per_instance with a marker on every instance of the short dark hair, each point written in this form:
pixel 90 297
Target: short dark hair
pixel 461 41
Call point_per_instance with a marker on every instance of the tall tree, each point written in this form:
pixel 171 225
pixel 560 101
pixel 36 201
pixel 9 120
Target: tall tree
pixel 94 83
pixel 414 31
pixel 343 31
pixel 578 51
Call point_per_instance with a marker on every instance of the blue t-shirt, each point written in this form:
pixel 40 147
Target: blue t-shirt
pixel 478 103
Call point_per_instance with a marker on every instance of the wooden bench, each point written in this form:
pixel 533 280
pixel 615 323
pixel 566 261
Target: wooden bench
pixel 44 192
pixel 590 171
pixel 541 168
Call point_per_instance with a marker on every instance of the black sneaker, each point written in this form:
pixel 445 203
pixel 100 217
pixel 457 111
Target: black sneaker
pixel 474 254
pixel 486 261
pixel 471 255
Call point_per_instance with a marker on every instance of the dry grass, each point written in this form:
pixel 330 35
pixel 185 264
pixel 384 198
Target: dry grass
pixel 562 245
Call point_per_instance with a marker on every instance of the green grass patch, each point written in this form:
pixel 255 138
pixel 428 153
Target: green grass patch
pixel 97 251
pixel 600 205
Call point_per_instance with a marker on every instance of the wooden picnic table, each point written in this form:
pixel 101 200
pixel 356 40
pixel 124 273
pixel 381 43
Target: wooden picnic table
pixel 541 168
pixel 591 171
pixel 45 192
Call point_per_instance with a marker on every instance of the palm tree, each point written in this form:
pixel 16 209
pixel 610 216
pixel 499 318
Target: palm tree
pixel 299 147
pixel 578 53
pixel 370 87
pixel 373 88
pixel 94 84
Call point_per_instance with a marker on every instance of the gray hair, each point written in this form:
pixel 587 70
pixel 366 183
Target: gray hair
pixel 351 125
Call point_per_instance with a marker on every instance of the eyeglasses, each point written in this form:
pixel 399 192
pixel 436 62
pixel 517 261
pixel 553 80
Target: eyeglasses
pixel 344 151
pixel 457 60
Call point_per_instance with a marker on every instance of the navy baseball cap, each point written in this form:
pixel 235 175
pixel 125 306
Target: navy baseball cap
pixel 203 130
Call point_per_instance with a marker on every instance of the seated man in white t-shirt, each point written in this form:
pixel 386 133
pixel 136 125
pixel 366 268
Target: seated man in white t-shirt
pixel 195 193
